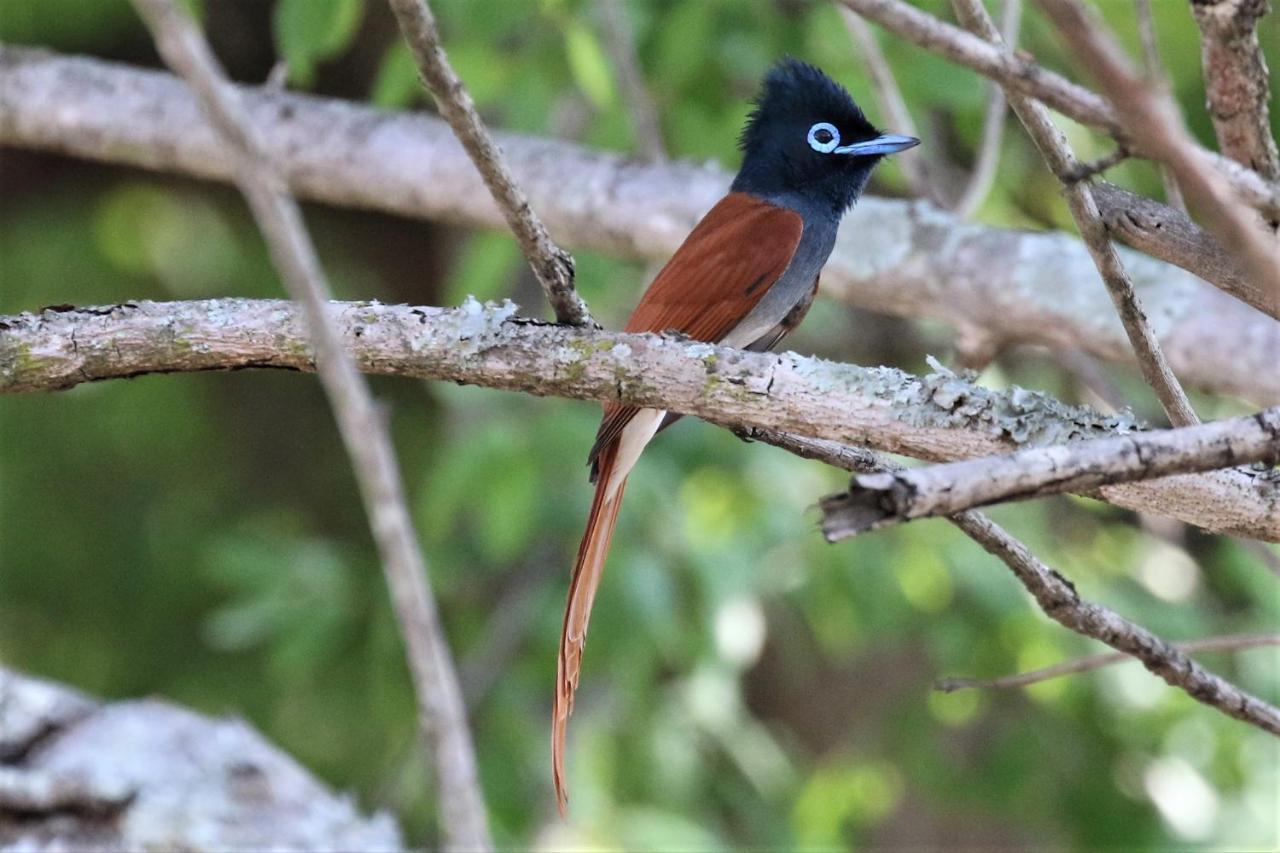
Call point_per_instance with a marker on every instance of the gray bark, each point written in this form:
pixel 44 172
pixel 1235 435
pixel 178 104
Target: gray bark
pixel 1056 595
pixel 877 500
pixel 939 417
pixel 909 259
pixel 147 775
pixel 1169 234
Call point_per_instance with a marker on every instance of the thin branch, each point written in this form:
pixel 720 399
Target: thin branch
pixel 938 417
pixel 620 40
pixel 1237 81
pixel 441 712
pixel 552 266
pixel 1025 76
pixel 1232 643
pixel 984 170
pixel 1084 171
pixel 891 256
pixel 879 500
pixel 1153 117
pixel 1058 598
pixel 1154 68
pixel 1053 147
pixel 889 96
pixel 1171 236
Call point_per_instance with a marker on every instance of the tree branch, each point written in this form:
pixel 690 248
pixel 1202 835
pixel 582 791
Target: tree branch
pixel 893 257
pixel 552 266
pixel 441 713
pixel 1168 234
pixel 1052 144
pixel 1236 81
pixel 1025 76
pixel 148 775
pixel 1058 598
pixel 1154 119
pixel 878 500
pixel 1154 69
pixel 939 417
pixel 1237 642
pixel 892 103
pixel 619 36
pixel 984 168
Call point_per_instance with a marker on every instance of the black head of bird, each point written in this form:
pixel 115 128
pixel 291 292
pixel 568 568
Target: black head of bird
pixel 807 142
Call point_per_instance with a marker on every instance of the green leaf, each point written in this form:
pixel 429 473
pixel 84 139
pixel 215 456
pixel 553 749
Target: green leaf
pixel 396 85
pixel 589 65
pixel 308 31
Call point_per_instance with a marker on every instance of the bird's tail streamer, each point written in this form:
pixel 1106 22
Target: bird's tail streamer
pixel 582 592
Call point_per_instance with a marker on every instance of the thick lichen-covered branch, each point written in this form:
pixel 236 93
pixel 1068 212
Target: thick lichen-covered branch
pixel 899 258
pixel 938 417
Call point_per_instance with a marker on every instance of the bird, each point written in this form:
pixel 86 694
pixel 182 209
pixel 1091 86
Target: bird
pixel 744 277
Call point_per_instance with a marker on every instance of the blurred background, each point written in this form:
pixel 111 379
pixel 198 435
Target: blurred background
pixel 199 537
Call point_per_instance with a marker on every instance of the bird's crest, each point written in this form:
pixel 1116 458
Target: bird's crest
pixel 797 91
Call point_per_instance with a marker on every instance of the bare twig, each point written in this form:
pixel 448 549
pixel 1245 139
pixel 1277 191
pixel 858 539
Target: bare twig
pixel 1085 171
pixel 984 169
pixel 1233 643
pixel 619 37
pixel 1236 81
pixel 889 95
pixel 894 257
pixel 1154 68
pixel 1053 147
pixel 1025 76
pixel 1058 598
pixel 878 500
pixel 1153 118
pixel 552 266
pixel 938 417
pixel 1169 235
pixel 441 712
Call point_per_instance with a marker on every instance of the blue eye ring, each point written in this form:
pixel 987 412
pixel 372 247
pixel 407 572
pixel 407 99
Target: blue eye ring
pixel 821 146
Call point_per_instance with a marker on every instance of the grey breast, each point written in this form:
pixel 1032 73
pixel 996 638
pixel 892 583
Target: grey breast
pixel 794 285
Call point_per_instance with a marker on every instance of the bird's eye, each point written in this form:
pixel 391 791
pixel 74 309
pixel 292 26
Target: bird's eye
pixel 823 137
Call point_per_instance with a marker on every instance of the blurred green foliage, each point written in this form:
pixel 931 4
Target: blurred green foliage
pixel 199 537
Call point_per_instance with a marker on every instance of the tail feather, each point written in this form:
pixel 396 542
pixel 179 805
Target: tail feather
pixel 612 461
pixel 582 592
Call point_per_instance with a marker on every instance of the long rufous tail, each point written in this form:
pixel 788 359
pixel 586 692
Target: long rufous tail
pixel 582 591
